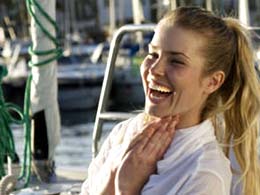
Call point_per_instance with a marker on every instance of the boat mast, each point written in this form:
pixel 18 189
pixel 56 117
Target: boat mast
pixel 209 5
pixel 67 27
pixel 173 4
pixel 138 17
pixel 44 104
pixel 112 17
pixel 243 12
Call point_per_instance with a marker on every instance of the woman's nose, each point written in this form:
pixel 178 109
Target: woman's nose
pixel 158 67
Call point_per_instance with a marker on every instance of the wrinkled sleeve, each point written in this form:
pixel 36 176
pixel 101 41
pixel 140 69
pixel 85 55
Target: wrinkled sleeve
pixel 94 167
pixel 205 183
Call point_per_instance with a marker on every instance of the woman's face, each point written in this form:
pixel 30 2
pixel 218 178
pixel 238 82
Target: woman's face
pixel 172 75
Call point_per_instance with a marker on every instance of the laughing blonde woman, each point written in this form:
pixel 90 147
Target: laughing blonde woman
pixel 198 132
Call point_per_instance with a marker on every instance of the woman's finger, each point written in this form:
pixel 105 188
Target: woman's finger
pixel 160 141
pixel 172 126
pixel 148 131
pixel 167 137
pixel 156 142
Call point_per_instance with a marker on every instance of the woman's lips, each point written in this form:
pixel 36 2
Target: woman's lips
pixel 159 87
pixel 157 97
pixel 158 91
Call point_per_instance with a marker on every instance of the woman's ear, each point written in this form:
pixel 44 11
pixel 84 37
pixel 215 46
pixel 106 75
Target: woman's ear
pixel 215 81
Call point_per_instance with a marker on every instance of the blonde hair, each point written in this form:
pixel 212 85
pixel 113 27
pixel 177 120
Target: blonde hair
pixel 234 107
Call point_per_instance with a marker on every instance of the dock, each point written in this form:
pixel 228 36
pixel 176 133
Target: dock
pixel 68 182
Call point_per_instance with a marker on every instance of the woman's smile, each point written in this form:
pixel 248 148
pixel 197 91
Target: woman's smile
pixel 157 92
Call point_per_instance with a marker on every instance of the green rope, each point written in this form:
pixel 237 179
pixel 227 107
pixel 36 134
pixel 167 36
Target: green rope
pixel 26 167
pixel 54 53
pixel 7 146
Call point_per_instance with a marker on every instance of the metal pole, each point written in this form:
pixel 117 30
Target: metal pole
pixel 137 11
pixel 112 16
pixel 257 2
pixel 73 18
pixel 159 9
pixel 173 4
pixel 138 17
pixel 107 82
pixel 121 14
pixel 243 12
pixel 209 5
pixel 67 28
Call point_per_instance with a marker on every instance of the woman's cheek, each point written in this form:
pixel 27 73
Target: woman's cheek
pixel 178 72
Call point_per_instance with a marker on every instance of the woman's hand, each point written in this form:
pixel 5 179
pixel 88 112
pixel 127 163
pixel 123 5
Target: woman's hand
pixel 141 157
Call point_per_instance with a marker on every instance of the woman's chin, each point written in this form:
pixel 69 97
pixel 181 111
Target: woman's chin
pixel 155 112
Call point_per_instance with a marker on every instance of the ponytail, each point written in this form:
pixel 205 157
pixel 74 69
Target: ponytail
pixel 242 116
pixel 234 108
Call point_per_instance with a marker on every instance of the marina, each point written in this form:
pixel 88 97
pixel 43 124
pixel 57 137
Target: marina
pixel 91 86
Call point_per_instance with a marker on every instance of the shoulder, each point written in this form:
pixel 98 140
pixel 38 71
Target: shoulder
pixel 210 156
pixel 205 182
pixel 213 158
pixel 212 174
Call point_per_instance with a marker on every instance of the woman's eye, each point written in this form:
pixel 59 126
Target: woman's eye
pixel 176 62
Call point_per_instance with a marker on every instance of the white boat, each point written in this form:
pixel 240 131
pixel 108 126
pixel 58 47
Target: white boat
pixel 79 85
pixel 77 76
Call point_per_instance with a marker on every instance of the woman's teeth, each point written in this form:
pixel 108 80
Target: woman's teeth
pixel 159 88
pixel 159 92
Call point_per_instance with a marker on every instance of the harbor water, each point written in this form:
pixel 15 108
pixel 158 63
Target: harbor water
pixel 74 149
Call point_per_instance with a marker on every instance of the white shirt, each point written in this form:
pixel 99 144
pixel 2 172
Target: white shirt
pixel 193 164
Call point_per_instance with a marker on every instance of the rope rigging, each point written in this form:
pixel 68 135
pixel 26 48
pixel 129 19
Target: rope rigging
pixel 7 145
